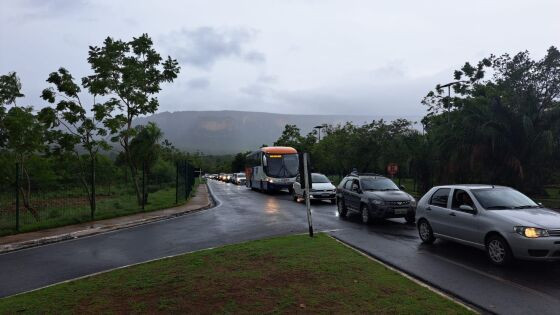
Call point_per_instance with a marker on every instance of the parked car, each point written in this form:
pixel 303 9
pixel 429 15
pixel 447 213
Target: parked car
pixel 500 220
pixel 239 179
pixel 321 189
pixel 374 196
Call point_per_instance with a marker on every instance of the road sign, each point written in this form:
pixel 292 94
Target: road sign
pixel 392 169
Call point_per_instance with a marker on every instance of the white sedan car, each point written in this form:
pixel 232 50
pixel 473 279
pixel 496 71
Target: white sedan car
pixel 321 189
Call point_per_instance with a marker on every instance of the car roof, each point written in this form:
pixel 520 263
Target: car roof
pixel 366 175
pixel 471 186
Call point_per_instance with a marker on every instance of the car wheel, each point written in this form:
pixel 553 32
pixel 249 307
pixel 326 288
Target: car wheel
pixel 425 231
pixel 294 195
pixel 498 250
pixel 342 210
pixel 366 218
pixel 410 218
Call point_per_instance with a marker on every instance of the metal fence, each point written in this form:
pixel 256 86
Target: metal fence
pixel 32 200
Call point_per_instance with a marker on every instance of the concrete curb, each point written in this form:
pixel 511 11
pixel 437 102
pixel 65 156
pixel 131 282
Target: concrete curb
pixel 94 231
pixel 420 280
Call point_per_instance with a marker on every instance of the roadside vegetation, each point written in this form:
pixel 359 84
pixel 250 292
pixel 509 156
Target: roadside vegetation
pixel 78 156
pixel 280 275
pixel 496 121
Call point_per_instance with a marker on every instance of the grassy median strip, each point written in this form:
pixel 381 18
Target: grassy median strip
pixel 279 275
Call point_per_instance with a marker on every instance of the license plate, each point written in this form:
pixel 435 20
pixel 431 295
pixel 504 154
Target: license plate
pixel 401 211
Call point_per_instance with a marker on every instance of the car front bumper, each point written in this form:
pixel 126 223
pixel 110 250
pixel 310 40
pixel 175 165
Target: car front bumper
pixel 322 196
pixel 544 248
pixel 387 212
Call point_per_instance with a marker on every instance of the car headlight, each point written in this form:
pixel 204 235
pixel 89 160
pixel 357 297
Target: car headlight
pixel 377 202
pixel 530 232
pixel 413 202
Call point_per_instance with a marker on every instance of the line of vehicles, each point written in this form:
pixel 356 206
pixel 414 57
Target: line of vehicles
pixel 234 178
pixel 500 220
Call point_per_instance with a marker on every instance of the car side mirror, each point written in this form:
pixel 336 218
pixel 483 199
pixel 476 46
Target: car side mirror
pixel 467 208
pixel 401 187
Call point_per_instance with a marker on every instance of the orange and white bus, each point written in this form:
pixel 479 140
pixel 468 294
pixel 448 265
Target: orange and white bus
pixel 272 168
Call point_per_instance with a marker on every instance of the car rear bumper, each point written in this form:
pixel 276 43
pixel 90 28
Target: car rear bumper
pixel 545 248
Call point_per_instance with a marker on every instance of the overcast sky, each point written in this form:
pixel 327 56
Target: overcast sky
pixel 284 56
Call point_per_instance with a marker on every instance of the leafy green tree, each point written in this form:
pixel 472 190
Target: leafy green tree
pixel 291 137
pixel 145 149
pixel 25 136
pixel 10 91
pixel 130 74
pixel 501 129
pixel 83 130
pixel 239 161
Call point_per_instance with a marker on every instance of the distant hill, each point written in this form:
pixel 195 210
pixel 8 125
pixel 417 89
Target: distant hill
pixel 222 132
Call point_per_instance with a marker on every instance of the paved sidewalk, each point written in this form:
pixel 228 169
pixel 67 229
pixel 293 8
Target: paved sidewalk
pixel 200 201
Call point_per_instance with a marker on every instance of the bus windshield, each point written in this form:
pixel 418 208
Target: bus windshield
pixel 282 166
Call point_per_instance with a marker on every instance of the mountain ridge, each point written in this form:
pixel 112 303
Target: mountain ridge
pixel 232 131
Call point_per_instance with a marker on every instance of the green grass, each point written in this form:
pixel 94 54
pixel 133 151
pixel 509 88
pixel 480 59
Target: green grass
pixel 71 209
pixel 280 275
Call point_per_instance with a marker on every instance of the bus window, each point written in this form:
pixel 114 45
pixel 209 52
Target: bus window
pixel 282 166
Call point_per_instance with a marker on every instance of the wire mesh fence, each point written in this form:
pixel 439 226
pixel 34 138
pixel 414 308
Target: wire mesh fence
pixel 28 201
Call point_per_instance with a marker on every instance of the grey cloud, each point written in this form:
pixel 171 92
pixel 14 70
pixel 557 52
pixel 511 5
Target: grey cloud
pixel 267 79
pixel 52 8
pixel 390 72
pixel 254 57
pixel 203 46
pixel 198 83
pixel 255 90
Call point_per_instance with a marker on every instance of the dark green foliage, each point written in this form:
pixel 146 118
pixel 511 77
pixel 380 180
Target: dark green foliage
pixel 238 163
pixel 502 130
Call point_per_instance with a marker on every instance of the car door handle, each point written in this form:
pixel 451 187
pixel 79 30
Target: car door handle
pixel 452 214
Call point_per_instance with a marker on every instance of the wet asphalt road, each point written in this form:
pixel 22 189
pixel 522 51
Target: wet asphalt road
pixel 243 215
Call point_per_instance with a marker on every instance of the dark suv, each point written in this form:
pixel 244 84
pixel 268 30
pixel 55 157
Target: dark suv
pixel 374 197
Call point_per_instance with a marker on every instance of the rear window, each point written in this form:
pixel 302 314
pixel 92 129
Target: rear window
pixel 440 197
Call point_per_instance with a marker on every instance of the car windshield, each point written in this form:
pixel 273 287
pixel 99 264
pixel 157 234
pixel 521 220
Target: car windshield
pixel 241 175
pixel 503 198
pixel 319 178
pixel 372 183
pixel 282 166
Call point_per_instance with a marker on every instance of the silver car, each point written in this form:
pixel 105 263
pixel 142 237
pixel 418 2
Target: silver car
pixel 500 220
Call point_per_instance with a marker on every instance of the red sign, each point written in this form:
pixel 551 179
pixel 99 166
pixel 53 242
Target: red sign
pixel 392 169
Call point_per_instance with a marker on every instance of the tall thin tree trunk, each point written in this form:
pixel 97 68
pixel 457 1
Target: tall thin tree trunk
pixel 27 194
pixel 133 176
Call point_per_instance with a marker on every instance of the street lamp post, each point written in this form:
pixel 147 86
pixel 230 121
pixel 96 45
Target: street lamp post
pixel 319 127
pixel 448 86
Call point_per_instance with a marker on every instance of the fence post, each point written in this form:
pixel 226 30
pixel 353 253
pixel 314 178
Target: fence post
pixel 17 197
pixel 93 188
pixel 176 182
pixel 186 171
pixel 143 184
